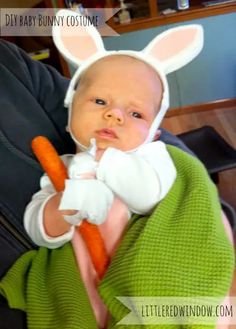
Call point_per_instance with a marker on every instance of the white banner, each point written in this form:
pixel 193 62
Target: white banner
pixel 179 310
pixel 39 21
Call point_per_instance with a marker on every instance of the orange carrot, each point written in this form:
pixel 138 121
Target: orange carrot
pixel 56 171
pixel 50 161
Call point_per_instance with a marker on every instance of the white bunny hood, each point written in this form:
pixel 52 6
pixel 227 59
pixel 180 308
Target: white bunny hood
pixel 166 53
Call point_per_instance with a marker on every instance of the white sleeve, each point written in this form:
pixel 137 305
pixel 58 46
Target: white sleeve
pixel 33 218
pixel 159 159
pixel 142 178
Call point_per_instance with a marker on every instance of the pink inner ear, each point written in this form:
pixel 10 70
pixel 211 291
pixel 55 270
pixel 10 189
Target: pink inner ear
pixel 78 42
pixel 173 43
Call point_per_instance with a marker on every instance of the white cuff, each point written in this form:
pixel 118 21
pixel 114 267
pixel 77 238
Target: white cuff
pixel 91 197
pixel 69 200
pixel 75 219
pixel 82 163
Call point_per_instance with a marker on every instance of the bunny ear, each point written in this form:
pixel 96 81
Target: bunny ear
pixel 176 47
pixel 74 41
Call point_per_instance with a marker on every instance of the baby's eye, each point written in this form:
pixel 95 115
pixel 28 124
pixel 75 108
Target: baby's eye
pixel 136 115
pixel 100 101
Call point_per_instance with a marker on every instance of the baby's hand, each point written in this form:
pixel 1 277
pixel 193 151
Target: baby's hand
pixel 81 164
pixel 72 217
pixel 54 219
pixel 90 197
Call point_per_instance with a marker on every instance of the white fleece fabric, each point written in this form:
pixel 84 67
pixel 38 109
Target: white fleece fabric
pixel 140 179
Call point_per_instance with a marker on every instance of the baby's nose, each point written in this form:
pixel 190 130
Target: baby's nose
pixel 116 114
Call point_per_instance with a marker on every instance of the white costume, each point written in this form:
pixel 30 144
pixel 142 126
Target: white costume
pixel 140 180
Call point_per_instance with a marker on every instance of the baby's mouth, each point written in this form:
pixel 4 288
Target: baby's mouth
pixel 106 133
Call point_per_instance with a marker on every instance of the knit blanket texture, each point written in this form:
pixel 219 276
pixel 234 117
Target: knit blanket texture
pixel 180 250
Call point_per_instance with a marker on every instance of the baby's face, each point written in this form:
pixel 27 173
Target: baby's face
pixel 116 102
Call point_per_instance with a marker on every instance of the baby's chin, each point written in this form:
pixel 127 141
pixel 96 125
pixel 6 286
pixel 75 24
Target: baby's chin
pixel 103 145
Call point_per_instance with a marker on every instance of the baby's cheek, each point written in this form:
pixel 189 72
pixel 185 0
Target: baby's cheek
pixel 136 137
pixel 143 132
pixel 81 129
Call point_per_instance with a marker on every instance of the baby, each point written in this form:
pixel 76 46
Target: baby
pixel 116 102
pixel 117 114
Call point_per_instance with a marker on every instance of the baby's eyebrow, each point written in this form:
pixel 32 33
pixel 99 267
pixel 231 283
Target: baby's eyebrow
pixel 138 103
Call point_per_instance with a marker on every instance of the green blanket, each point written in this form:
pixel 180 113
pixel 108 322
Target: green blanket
pixel 181 249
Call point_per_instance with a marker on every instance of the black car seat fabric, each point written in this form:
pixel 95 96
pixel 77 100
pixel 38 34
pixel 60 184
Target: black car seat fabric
pixel 31 103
